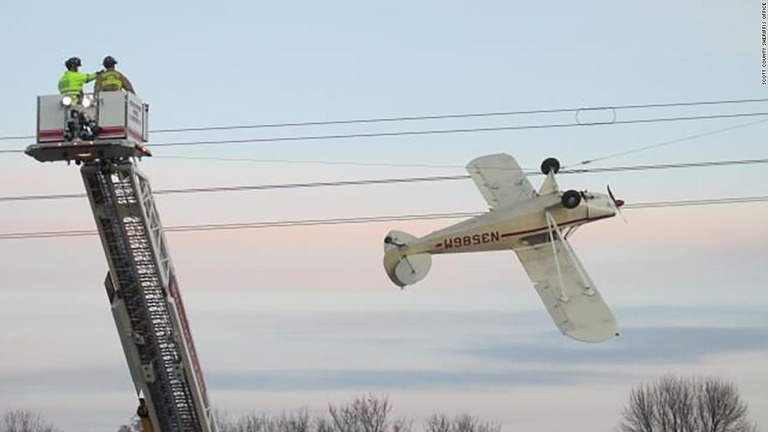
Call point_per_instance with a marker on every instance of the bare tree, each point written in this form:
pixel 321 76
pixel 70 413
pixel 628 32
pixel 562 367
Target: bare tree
pixel 323 424
pixel 221 418
pixel 720 408
pixel 462 423
pixel 134 425
pixel 24 421
pixel 367 413
pixel 296 421
pixel 438 423
pixel 675 404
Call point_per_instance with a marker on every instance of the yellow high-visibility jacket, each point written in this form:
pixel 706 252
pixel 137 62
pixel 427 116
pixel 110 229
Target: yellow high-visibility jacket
pixel 112 80
pixel 71 83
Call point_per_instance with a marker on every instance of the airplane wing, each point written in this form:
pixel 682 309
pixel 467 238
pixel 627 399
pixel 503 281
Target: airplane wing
pixel 584 316
pixel 500 179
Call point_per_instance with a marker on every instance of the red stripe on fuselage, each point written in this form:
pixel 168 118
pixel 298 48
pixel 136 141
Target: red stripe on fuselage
pixel 531 231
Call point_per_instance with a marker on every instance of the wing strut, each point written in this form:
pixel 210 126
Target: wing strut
pixel 576 307
pixel 554 228
pixel 552 225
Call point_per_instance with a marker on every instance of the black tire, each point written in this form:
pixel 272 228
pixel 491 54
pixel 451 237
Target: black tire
pixel 571 199
pixel 550 164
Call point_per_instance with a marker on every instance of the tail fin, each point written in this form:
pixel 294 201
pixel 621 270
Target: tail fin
pixel 404 269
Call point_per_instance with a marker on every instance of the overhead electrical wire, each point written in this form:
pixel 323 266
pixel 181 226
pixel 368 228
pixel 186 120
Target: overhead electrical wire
pixel 362 220
pixel 577 123
pixel 306 161
pixel 235 188
pixel 443 131
pixel 401 165
pixel 456 116
pixel 450 131
pixel 670 142
pixel 251 187
pixel 435 117
pixel 585 162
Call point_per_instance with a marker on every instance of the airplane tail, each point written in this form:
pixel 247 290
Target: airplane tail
pixel 404 269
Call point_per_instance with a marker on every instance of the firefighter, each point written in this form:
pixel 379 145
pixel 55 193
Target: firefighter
pixel 112 80
pixel 72 82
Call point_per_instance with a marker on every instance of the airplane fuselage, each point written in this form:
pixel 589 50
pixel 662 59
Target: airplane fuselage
pixel 521 225
pixel 535 224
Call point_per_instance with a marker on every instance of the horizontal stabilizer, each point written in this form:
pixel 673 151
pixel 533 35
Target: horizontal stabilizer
pixel 404 269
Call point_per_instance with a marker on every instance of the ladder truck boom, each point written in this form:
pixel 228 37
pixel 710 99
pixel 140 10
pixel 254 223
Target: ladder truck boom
pixel 141 284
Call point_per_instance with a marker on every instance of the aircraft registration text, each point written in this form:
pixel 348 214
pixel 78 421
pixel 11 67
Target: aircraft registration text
pixel 470 240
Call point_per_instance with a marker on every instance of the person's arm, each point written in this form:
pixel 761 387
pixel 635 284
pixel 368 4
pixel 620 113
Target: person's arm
pixel 63 83
pixel 91 76
pixel 127 84
pixel 97 86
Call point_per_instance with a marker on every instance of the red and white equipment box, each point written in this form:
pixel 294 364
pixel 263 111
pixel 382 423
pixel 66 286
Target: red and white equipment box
pixel 120 116
pixel 121 120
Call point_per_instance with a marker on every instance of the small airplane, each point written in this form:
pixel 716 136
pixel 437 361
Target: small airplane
pixel 536 225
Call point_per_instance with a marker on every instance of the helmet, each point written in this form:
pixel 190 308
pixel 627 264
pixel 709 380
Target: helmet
pixel 109 61
pixel 73 62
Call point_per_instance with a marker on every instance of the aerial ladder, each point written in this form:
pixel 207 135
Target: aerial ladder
pixel 105 134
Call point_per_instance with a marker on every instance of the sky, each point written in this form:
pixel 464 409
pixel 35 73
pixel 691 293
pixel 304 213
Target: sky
pixel 295 317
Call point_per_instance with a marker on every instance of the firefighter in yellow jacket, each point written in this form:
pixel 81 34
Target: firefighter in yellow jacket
pixel 112 80
pixel 72 82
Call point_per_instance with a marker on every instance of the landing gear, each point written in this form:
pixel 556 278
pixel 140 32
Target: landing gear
pixel 571 199
pixel 550 164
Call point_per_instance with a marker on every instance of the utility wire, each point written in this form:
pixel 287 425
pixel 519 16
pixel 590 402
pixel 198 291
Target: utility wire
pixel 326 162
pixel 663 166
pixel 433 117
pixel 310 162
pixel 251 187
pixel 442 131
pixel 362 220
pixel 670 142
pixel 457 116
pixel 236 188
pixel 451 131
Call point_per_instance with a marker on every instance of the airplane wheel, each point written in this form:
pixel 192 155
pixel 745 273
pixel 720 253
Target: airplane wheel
pixel 571 199
pixel 550 164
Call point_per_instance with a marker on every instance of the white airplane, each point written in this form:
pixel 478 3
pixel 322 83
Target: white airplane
pixel 530 223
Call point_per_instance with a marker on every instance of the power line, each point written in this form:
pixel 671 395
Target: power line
pixel 476 130
pixel 309 161
pixel 451 131
pixel 236 188
pixel 326 162
pixel 362 220
pixel 664 166
pixel 434 117
pixel 457 116
pixel 670 142
pixel 251 187
pixel 689 203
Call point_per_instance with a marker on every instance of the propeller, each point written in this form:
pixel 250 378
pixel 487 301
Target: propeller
pixel 617 203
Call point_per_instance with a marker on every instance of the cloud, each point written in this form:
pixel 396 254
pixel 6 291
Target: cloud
pixel 378 380
pixel 109 379
pixel 637 346
pixel 84 379
pixel 386 351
